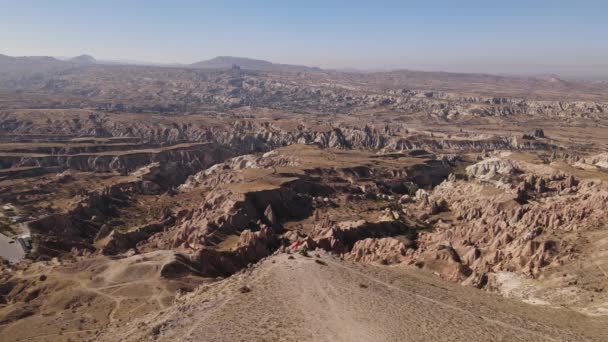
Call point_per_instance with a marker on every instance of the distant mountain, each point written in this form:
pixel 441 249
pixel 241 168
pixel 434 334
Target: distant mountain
pixel 226 62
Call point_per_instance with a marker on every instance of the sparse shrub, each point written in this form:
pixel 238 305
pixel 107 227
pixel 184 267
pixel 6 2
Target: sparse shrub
pixel 411 189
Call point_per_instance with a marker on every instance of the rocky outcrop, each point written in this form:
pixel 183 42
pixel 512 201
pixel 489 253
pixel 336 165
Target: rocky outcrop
pixel 492 167
pixel 192 157
pixel 120 242
pixel 226 212
pixel 597 161
pixel 250 248
pixel 539 133
pixel 445 261
pixel 84 223
pixel 227 172
pixel 78 227
pixel 385 251
pixel 341 237
pixel 494 232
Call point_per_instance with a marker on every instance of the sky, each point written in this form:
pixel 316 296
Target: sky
pixel 516 37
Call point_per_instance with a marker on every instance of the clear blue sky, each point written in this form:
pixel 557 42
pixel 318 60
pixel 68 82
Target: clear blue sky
pixel 486 36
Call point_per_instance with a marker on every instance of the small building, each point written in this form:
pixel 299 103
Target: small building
pixel 26 242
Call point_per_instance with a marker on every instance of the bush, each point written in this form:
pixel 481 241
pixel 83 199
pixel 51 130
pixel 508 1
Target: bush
pixel 411 189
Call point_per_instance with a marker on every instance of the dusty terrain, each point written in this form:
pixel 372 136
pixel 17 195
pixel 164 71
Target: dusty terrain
pixel 293 203
pixel 321 298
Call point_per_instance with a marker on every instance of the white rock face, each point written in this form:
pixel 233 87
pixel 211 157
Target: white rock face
pixel 599 160
pixel 489 168
pixel 422 196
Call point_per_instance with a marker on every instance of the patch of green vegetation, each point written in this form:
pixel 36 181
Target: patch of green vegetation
pixel 411 188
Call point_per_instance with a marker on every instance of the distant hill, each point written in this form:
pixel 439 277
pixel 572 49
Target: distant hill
pixel 226 62
pixel 10 64
pixel 29 71
pixel 33 60
pixel 22 71
pixel 41 63
pixel 83 59
pixel 484 84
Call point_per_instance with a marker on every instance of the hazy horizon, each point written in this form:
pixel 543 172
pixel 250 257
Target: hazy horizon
pixel 532 37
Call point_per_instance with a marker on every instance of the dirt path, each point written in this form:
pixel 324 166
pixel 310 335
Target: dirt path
pixel 518 329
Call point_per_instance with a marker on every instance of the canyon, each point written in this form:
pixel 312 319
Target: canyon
pixel 221 202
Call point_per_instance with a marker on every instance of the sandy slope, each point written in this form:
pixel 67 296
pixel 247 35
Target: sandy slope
pixel 299 299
